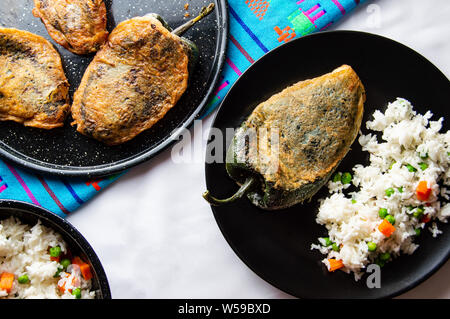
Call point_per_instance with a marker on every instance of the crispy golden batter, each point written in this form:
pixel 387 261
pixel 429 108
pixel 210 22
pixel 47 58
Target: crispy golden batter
pixel 317 121
pixel 77 25
pixel 133 81
pixel 33 87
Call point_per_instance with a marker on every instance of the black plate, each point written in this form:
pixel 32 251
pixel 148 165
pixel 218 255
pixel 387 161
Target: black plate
pixel 276 245
pixel 30 214
pixel 63 151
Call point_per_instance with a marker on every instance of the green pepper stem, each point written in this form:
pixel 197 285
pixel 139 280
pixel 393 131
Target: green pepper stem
pixel 203 13
pixel 249 182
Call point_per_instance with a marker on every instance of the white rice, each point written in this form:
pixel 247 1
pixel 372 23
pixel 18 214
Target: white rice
pixel 24 250
pixel 351 225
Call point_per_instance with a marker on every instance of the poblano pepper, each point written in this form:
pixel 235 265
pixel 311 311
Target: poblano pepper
pixel 146 67
pixel 179 31
pixel 291 144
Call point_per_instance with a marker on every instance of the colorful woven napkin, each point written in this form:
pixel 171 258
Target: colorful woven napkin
pixel 256 27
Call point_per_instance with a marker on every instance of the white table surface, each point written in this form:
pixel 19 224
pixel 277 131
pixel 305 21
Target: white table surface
pixel 157 237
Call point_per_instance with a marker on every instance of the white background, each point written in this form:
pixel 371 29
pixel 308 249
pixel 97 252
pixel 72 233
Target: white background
pixel 157 237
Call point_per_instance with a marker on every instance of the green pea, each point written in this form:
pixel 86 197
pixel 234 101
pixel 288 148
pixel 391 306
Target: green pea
pixel 337 177
pixel 379 262
pixel 371 246
pixel 400 189
pixel 417 215
pixel 385 256
pixel 335 247
pixel 411 168
pixel 423 166
pixel 77 293
pixel 55 251
pixel 65 263
pixel 417 230
pixel 328 241
pixel 353 201
pixel 419 212
pixel 346 178
pixel 390 219
pixel 383 212
pixel 23 279
pixel 389 191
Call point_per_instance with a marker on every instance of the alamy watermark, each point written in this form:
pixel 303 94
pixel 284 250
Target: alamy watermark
pixel 259 146
pixel 373 21
pixel 374 278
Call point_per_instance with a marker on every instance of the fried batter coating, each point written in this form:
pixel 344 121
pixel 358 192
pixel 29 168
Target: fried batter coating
pixel 133 81
pixel 77 25
pixel 33 88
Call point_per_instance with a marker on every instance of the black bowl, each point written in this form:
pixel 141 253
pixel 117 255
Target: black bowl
pixel 30 214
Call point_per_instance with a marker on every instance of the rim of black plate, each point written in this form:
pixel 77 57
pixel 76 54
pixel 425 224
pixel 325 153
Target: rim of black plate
pixel 30 163
pixel 271 281
pixel 68 230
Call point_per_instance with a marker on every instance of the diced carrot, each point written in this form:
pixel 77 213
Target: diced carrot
pixel 335 264
pixel 386 228
pixel 84 267
pixel 6 281
pixel 425 219
pixel 422 191
pixel 57 259
pixel 86 271
pixel 77 261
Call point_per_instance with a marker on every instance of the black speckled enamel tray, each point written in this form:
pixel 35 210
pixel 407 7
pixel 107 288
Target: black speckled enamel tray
pixel 63 151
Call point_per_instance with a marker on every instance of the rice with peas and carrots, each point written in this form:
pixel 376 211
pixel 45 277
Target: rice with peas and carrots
pixel 399 195
pixel 35 262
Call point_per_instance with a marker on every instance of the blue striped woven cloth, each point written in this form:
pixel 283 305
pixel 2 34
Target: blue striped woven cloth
pixel 256 27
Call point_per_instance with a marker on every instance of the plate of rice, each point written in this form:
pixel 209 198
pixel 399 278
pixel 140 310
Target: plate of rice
pixel 43 257
pixel 379 211
pixel 379 227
